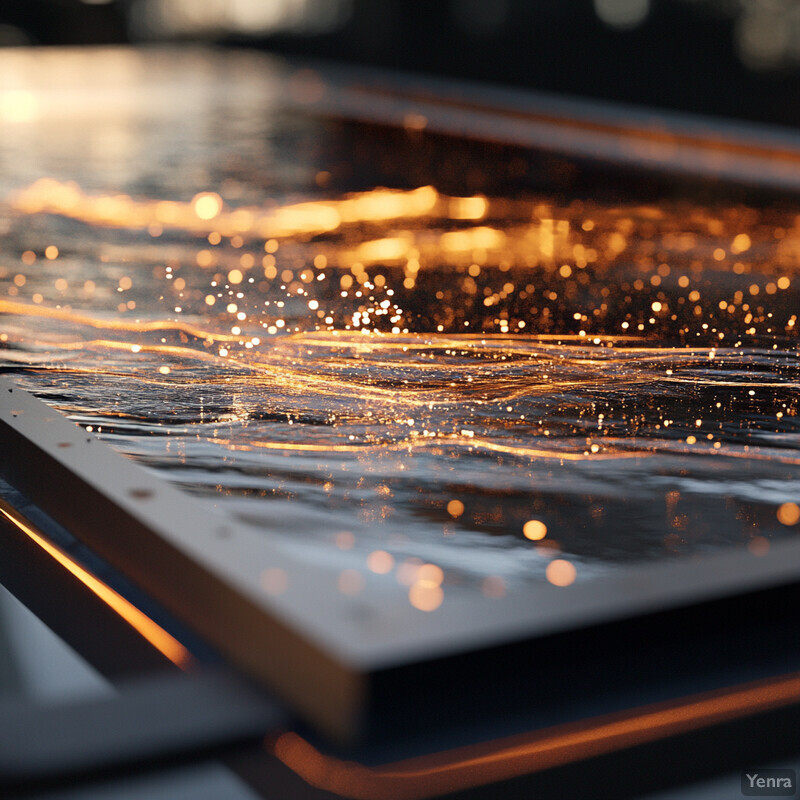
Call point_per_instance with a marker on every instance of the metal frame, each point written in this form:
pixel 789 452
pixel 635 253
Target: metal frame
pixel 152 721
pixel 335 658
pixel 312 644
pixel 671 143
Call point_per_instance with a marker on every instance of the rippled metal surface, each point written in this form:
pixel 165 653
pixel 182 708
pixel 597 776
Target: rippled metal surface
pixel 504 389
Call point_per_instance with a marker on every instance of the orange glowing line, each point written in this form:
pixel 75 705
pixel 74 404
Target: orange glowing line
pixel 439 441
pixel 506 758
pixel 297 447
pixel 534 452
pixel 156 635
pixel 626 451
pixel 345 338
pixel 735 384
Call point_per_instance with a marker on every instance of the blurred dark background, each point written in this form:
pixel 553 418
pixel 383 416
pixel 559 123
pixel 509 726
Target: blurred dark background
pixel 732 58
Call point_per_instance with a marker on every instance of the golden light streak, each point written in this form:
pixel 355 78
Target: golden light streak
pixel 153 633
pixel 628 449
pixel 205 214
pixel 386 204
pixel 12 307
pixel 538 452
pixel 419 444
pixel 163 349
pixel 298 447
pixel 489 762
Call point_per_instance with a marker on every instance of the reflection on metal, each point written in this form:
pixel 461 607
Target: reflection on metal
pixel 151 631
pixel 488 762
pixel 615 134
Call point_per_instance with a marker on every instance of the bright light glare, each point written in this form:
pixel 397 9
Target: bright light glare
pixel 163 18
